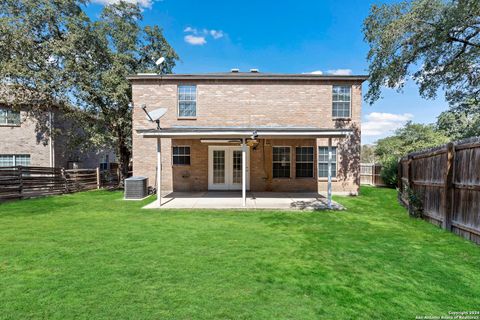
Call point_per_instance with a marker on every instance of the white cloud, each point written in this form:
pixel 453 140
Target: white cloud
pixel 141 3
pixel 198 37
pixel 195 40
pixel 216 34
pixel 316 72
pixel 340 72
pixel 190 29
pixel 382 123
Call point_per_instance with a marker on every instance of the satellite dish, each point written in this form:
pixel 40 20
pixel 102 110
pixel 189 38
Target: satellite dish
pixel 156 114
pixel 160 61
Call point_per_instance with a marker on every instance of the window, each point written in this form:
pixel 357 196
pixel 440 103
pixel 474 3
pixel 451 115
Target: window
pixel 104 162
pixel 9 117
pixel 181 155
pixel 341 101
pixel 281 162
pixel 304 162
pixel 10 160
pixel 187 101
pixel 323 162
pixel 218 166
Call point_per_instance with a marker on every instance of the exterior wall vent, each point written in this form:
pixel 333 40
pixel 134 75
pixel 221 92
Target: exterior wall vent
pixel 254 71
pixel 136 188
pixel 235 70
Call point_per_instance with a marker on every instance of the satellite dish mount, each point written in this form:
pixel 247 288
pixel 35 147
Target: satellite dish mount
pixel 155 115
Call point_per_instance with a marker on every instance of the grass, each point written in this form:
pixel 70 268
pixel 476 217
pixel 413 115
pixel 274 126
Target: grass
pixel 93 256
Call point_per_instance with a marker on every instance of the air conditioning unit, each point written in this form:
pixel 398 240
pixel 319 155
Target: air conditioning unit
pixel 136 188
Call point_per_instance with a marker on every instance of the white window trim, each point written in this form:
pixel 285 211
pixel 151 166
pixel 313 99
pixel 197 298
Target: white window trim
pixel 350 104
pixel 5 124
pixel 334 178
pixel 312 162
pixel 189 154
pixel 14 158
pixel 290 162
pixel 228 185
pixel 178 101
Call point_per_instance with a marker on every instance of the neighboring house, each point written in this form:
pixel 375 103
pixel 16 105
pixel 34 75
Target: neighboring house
pixel 286 120
pixel 22 143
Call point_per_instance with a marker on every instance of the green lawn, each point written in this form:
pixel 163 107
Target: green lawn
pixel 93 256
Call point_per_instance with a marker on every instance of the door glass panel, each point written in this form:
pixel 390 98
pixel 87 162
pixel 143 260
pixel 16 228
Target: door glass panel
pixel 218 166
pixel 237 166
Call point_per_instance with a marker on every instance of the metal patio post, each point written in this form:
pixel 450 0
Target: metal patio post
pixel 244 173
pixel 159 173
pixel 329 186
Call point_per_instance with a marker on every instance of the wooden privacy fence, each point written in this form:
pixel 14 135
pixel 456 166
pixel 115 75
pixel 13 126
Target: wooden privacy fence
pixel 446 180
pixel 26 182
pixel 82 179
pixel 111 177
pixel 370 174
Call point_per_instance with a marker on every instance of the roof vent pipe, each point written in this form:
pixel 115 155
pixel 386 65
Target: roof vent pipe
pixel 254 70
pixel 235 70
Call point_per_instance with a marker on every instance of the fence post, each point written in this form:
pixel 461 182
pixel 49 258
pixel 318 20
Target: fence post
pixel 399 175
pixel 410 180
pixel 373 175
pixel 448 188
pixel 98 178
pixel 20 178
pixel 64 176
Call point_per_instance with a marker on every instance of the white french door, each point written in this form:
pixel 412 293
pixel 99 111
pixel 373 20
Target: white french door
pixel 225 168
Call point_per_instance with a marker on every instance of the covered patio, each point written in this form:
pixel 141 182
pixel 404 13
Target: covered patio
pixel 253 200
pixel 243 137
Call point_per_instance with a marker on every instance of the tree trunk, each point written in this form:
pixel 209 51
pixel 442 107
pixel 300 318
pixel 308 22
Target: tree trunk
pixel 124 154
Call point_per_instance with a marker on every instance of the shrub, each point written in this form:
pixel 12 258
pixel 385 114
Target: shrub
pixel 415 203
pixel 389 172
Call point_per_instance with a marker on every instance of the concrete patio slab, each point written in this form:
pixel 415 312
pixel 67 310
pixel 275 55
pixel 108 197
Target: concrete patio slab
pixel 233 200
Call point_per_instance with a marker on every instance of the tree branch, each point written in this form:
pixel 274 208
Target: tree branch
pixel 465 41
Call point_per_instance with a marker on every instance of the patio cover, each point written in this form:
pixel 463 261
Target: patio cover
pixel 242 134
pixel 230 133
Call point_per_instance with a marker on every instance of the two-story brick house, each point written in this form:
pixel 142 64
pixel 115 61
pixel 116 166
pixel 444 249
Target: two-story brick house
pixel 284 122
pixel 23 143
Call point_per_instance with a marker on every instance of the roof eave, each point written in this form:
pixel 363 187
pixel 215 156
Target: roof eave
pixel 245 77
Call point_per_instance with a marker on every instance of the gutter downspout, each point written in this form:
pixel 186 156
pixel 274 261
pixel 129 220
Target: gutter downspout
pixel 50 139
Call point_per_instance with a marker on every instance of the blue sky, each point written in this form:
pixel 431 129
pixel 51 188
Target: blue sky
pixel 282 36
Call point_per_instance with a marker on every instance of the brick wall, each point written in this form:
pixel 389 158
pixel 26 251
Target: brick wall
pixel 261 167
pixel 24 139
pixel 195 176
pixel 247 103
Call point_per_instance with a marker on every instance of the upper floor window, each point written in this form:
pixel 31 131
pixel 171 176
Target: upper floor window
pixel 11 160
pixel 341 101
pixel 181 155
pixel 187 101
pixel 9 117
pixel 304 162
pixel 323 162
pixel 281 162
